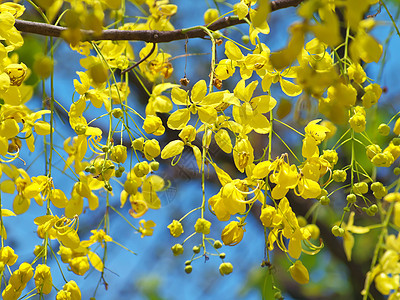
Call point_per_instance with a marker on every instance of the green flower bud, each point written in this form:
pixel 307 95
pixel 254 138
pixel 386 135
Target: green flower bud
pixel 323 193
pixel 188 262
pixel 177 249
pixel 188 269
pixel 245 39
pixel 372 210
pixel 396 171
pixel 324 200
pixel 138 144
pixel 396 141
pixel 196 249
pixel 210 15
pixel 360 188
pixel 351 198
pixel 337 231
pixel 80 129
pixel 154 165
pixel 384 129
pixel 117 113
pixel 222 255
pixel 339 175
pixel 217 244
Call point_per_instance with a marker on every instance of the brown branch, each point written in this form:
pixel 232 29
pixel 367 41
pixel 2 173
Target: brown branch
pixel 149 36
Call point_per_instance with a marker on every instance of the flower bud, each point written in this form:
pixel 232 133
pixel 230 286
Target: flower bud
pixel 202 226
pixel 177 249
pixel 154 165
pixel 188 269
pixel 351 198
pixel 117 113
pixel 384 129
pixel 267 215
pixel 153 125
pixel 196 249
pixel 141 169
pixel 151 149
pixel 299 272
pixel 339 175
pixel 138 144
pixel 360 188
pixel 104 169
pixel 245 39
pixel 324 200
pixel 119 154
pixel 217 244
pixel 79 265
pixel 131 185
pixel 175 228
pixel 210 15
pixel 373 150
pixel 232 233
pixel 225 268
pixel 337 231
pixel 358 122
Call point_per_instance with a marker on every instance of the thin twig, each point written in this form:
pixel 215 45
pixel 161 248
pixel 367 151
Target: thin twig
pixel 140 61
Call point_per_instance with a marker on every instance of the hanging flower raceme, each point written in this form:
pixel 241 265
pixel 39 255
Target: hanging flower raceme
pixel 18 281
pixel 232 197
pixel 283 223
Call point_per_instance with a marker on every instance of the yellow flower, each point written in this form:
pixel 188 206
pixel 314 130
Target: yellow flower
pixel 232 233
pixel 146 227
pixel 285 177
pixel 98 236
pixel 251 111
pixel 202 226
pixel 198 103
pixel 175 228
pixel 243 153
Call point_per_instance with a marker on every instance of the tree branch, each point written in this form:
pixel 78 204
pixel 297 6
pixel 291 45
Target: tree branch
pixel 149 36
